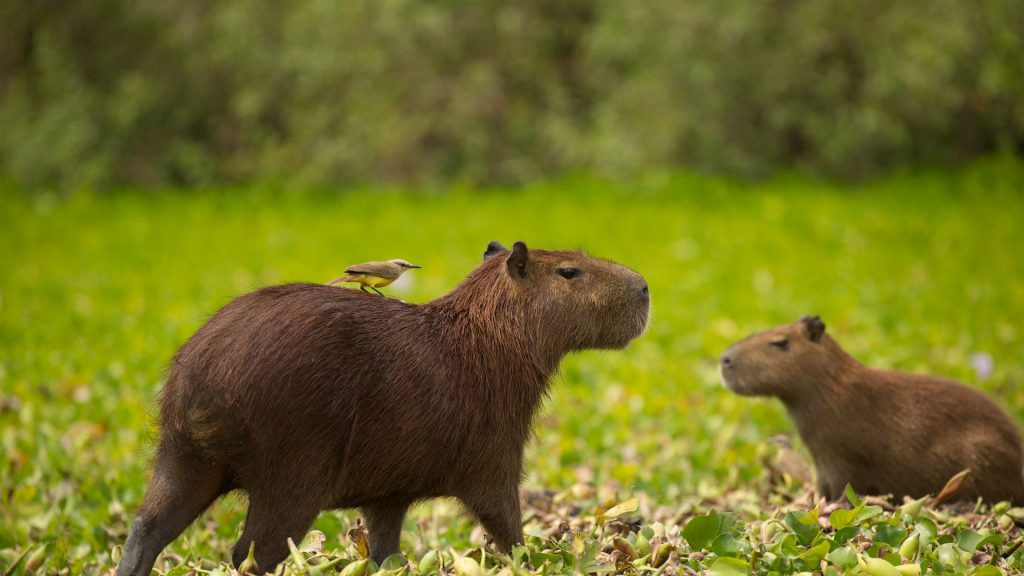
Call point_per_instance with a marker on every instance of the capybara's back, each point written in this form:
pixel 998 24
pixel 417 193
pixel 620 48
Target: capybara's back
pixel 311 397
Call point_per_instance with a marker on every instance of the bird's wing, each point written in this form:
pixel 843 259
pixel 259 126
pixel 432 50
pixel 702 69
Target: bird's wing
pixel 378 269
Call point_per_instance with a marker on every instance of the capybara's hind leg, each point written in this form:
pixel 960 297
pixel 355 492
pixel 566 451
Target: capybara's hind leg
pixel 384 522
pixel 182 487
pixel 270 522
pixel 498 512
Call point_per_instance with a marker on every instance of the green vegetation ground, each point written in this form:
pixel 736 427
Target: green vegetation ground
pixel 919 272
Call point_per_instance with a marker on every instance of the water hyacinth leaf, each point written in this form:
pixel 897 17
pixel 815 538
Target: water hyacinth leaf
pixel 702 530
pixel 972 541
pixel 815 555
pixel 845 535
pixel 466 566
pixel 855 501
pixel 867 513
pixel 726 545
pixel 622 545
pixel 926 530
pixel 181 570
pixel 627 507
pixel 540 558
pixel 912 509
pixel 729 567
pixel 430 561
pixel 842 518
pixel 357 568
pixel 313 543
pixel 949 556
pixel 891 535
pixel 842 557
pixel 806 528
pixel 908 549
pixel 394 562
pixel 968 540
pixel 879 567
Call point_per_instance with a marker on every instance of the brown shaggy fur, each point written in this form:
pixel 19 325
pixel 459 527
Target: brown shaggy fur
pixel 312 397
pixel 883 432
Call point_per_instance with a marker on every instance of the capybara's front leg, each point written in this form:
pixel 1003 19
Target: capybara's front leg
pixel 182 487
pixel 384 523
pixel 498 512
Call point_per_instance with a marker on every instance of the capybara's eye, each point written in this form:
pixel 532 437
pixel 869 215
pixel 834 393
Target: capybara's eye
pixel 780 343
pixel 568 273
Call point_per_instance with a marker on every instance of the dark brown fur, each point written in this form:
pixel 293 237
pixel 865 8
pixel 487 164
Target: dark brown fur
pixel 312 397
pixel 883 432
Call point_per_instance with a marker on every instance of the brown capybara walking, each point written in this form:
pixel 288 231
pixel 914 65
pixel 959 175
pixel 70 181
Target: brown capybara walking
pixel 881 431
pixel 312 397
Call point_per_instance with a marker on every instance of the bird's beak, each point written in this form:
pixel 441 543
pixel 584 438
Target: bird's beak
pixel 414 266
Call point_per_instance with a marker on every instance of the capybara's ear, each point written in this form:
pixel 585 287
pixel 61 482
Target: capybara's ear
pixel 518 260
pixel 815 327
pixel 494 247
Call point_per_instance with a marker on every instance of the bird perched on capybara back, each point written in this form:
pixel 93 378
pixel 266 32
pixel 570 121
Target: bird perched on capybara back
pixel 309 398
pixel 882 432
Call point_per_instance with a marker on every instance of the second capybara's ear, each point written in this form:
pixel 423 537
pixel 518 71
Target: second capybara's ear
pixel 518 260
pixel 494 247
pixel 815 327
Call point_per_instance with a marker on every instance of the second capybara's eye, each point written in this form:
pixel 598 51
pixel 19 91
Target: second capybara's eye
pixel 781 343
pixel 568 273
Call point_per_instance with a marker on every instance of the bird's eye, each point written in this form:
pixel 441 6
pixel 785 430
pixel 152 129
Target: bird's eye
pixel 568 273
pixel 780 343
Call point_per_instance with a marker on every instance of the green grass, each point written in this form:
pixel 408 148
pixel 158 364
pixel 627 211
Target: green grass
pixel 917 272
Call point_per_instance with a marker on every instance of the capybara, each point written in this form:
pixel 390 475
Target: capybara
pixel 881 431
pixel 310 397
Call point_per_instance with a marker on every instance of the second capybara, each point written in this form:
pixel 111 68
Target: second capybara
pixel 312 397
pixel 881 431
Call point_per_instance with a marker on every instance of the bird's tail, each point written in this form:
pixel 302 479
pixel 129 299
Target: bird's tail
pixel 345 278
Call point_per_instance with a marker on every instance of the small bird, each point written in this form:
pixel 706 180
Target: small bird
pixel 374 274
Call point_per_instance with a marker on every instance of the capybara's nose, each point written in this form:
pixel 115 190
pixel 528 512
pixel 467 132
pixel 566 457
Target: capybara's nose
pixel 726 360
pixel 645 292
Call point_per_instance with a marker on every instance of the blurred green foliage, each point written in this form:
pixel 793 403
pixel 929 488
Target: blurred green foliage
pixel 917 272
pixel 319 93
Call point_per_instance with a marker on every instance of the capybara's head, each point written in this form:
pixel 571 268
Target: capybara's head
pixel 568 300
pixel 778 362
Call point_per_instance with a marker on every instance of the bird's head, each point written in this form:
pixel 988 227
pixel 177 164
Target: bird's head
pixel 404 264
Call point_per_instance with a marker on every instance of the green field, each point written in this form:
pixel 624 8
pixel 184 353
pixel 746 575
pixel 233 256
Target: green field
pixel 919 272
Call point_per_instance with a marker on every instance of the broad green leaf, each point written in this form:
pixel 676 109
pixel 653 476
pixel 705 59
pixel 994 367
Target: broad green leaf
pixel 867 513
pixel 949 555
pixel 393 562
pixel 726 545
pixel 729 567
pixel 927 530
pixel 879 567
pixel 627 507
pixel 815 555
pixel 805 531
pixel 702 530
pixel 842 518
pixel 843 536
pixel 842 557
pixel 891 535
pixel 969 540
pixel 852 496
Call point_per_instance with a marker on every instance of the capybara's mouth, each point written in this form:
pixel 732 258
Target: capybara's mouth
pixel 729 380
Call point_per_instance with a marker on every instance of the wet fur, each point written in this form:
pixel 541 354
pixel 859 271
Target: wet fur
pixel 311 397
pixel 883 432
